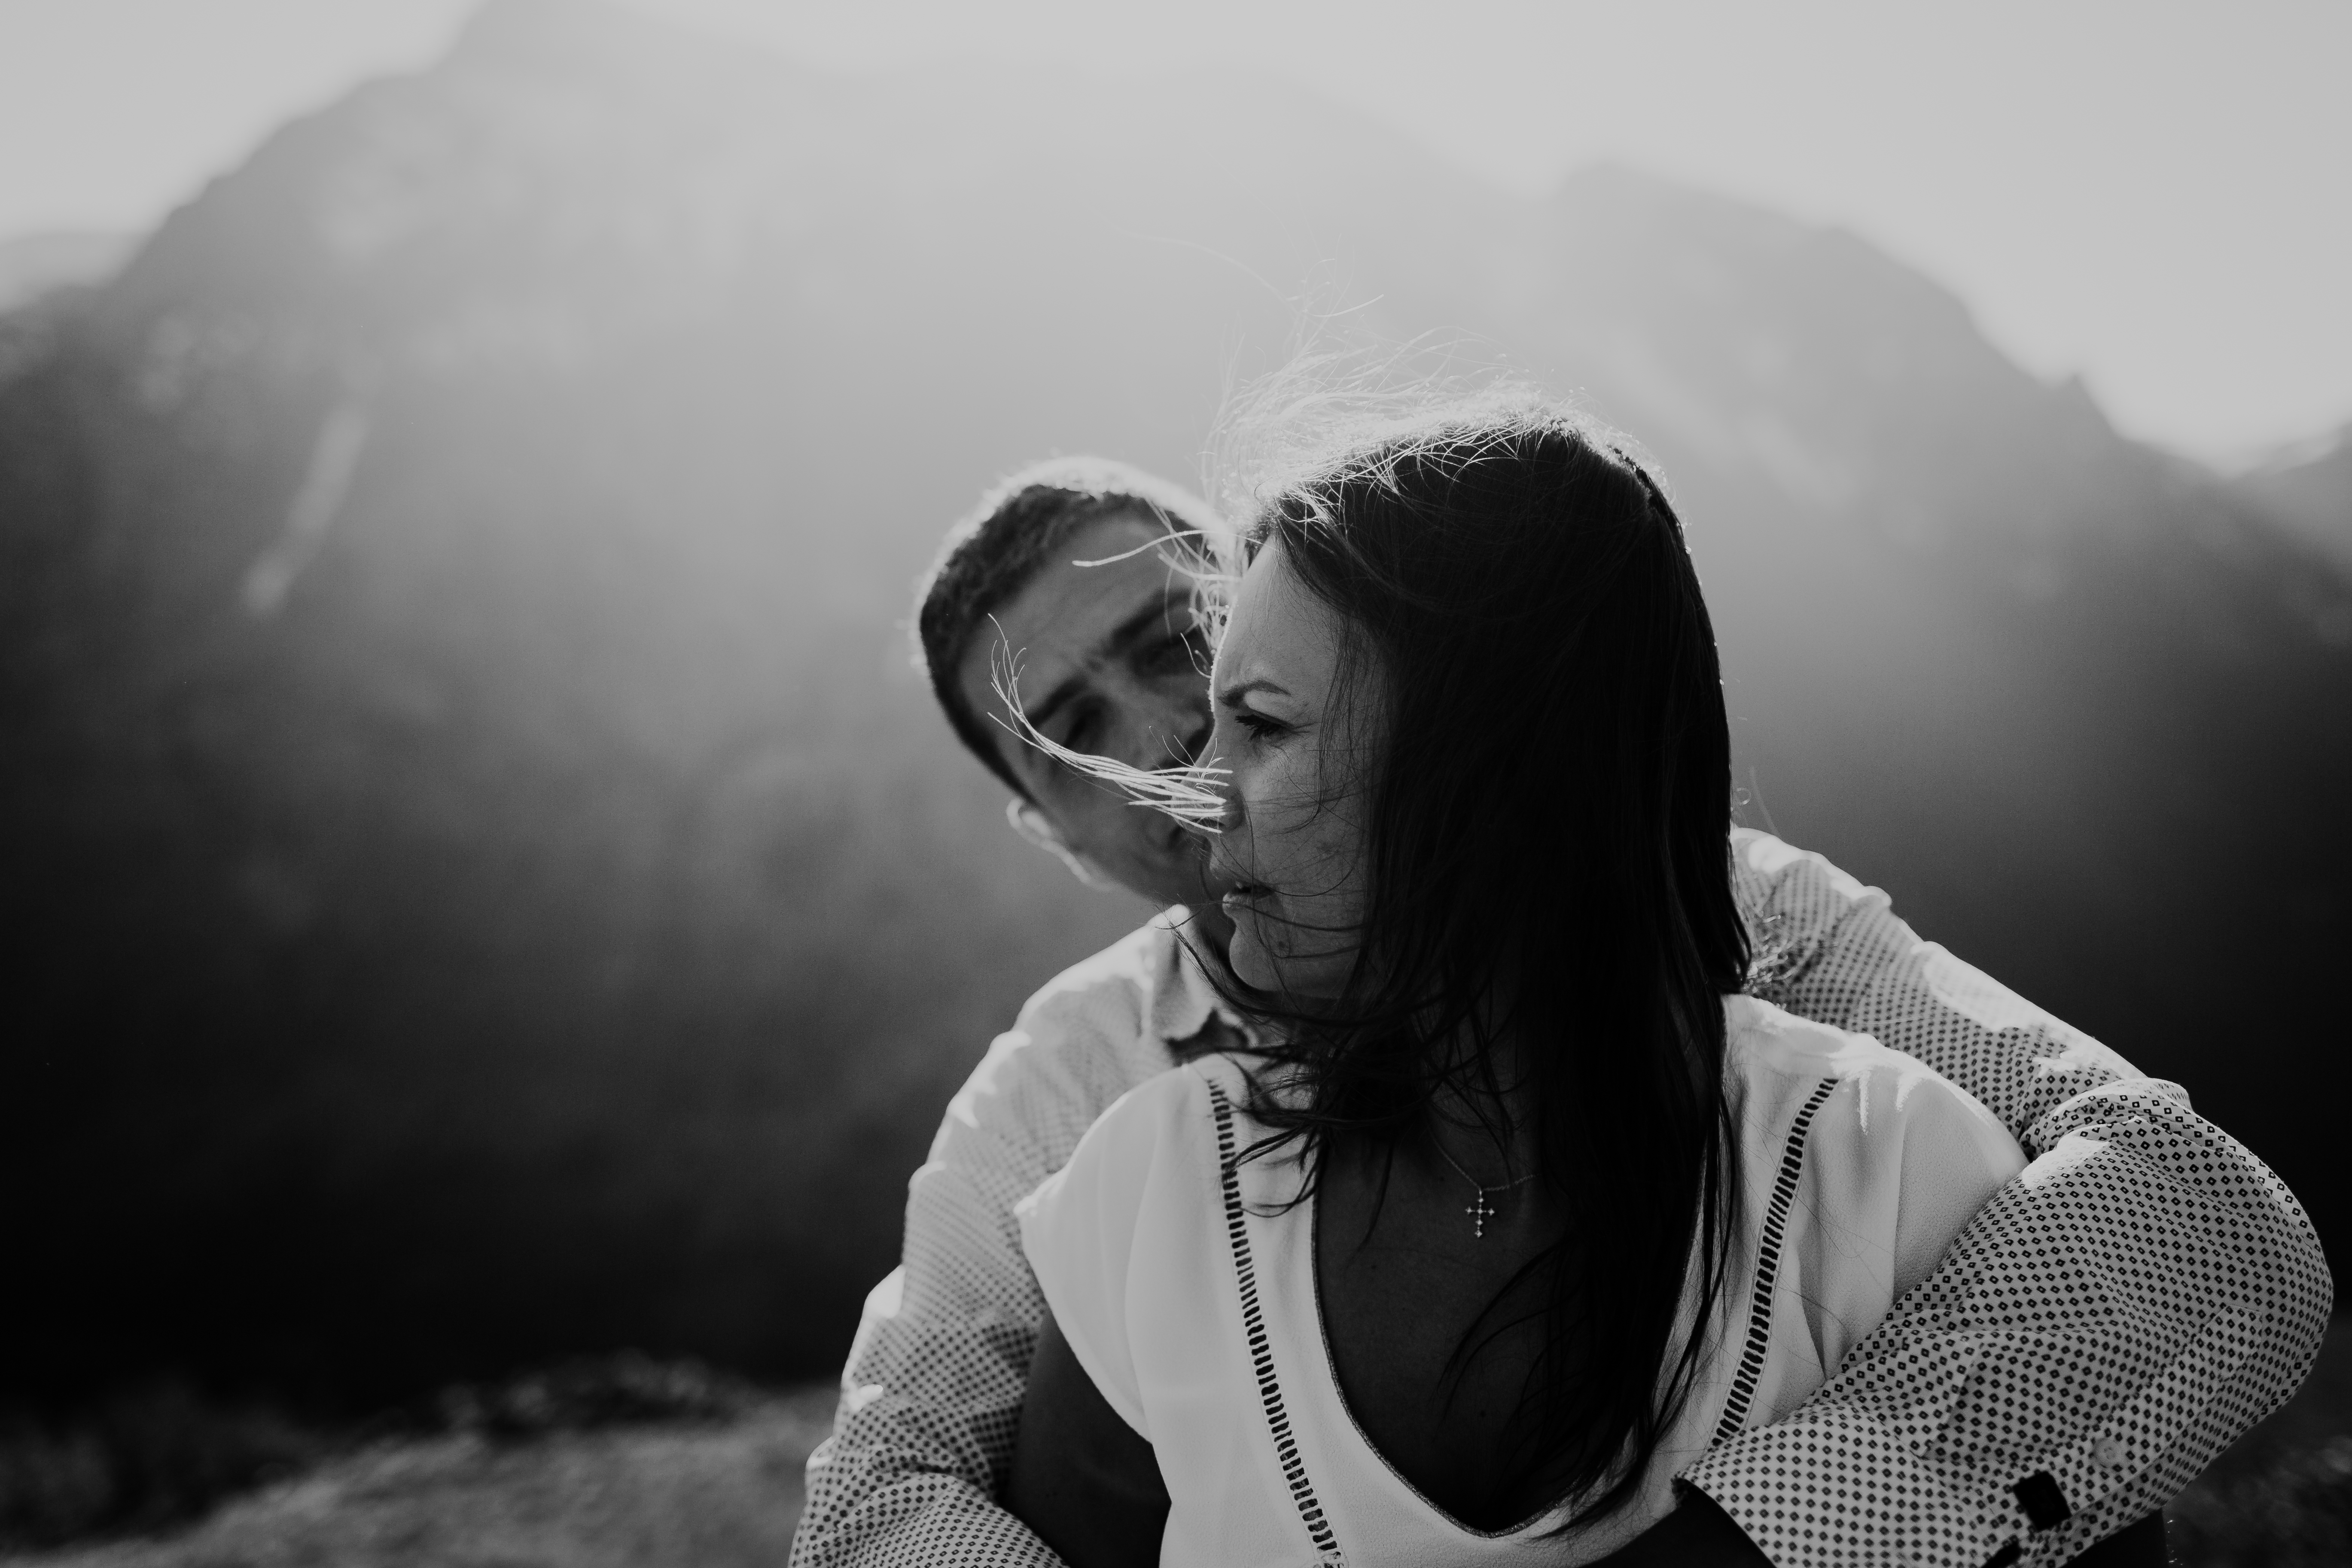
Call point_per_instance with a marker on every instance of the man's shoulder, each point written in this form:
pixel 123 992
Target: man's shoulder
pixel 1763 865
pixel 1111 991
pixel 1085 1038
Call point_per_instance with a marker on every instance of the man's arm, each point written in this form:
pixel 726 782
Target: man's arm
pixel 1699 1535
pixel 931 1395
pixel 2140 1295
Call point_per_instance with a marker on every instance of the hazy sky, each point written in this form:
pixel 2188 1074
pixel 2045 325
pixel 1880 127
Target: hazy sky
pixel 2155 194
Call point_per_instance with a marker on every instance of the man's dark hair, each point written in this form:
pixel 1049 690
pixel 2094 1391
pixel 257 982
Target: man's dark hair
pixel 990 554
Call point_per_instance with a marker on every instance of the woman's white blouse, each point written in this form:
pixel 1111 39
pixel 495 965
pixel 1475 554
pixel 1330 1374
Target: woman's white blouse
pixel 1187 1292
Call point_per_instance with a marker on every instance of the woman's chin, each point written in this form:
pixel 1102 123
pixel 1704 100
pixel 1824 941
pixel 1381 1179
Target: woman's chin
pixel 1251 961
pixel 1267 967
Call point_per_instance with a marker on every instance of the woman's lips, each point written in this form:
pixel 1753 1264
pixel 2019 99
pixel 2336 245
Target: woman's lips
pixel 1223 874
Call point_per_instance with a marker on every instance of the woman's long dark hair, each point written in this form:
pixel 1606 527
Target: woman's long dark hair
pixel 1549 833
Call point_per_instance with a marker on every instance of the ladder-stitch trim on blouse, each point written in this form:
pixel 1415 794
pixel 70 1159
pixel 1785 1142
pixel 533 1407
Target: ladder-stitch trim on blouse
pixel 1261 1347
pixel 1768 1269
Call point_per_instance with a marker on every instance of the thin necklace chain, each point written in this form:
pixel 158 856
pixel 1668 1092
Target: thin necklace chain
pixel 1479 1210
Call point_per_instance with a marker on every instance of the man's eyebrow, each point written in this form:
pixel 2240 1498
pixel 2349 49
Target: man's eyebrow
pixel 1122 637
pixel 1132 630
pixel 1040 715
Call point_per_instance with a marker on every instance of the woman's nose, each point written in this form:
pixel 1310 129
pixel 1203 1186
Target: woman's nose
pixel 1222 779
pixel 1229 820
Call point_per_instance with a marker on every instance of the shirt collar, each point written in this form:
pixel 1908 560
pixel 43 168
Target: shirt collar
pixel 1184 998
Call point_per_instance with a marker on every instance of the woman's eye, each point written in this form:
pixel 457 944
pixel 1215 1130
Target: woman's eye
pixel 1259 726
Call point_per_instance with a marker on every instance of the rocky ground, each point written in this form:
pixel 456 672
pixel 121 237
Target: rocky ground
pixel 710 1494
pixel 635 1471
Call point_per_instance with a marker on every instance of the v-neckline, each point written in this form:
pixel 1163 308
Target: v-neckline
pixel 1325 1367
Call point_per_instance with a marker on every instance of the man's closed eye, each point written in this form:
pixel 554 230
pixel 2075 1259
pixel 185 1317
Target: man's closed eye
pixel 1174 654
pixel 1085 728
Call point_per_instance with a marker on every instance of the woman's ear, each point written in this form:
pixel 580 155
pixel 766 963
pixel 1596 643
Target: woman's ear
pixel 1037 828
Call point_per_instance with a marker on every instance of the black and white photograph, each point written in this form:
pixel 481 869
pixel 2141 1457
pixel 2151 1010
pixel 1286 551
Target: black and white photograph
pixel 1061 783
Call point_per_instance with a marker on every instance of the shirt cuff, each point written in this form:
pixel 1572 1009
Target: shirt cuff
pixel 1839 1494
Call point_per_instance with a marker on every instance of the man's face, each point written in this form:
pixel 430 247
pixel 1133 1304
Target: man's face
pixel 1109 662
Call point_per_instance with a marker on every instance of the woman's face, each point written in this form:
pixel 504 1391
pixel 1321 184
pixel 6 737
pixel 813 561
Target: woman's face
pixel 1301 754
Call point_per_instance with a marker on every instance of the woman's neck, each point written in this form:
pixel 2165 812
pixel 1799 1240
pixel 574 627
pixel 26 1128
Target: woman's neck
pixel 1483 1115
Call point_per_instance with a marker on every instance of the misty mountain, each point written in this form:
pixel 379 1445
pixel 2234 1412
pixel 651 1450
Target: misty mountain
pixel 2307 491
pixel 32 264
pixel 488 882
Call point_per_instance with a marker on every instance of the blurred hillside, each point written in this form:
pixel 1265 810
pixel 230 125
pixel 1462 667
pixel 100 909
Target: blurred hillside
pixel 2307 489
pixel 487 884
pixel 34 264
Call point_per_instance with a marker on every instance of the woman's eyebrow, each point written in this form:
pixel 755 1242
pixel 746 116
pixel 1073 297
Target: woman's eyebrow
pixel 1231 696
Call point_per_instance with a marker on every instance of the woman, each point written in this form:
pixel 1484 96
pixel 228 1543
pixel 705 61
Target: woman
pixel 1523 1204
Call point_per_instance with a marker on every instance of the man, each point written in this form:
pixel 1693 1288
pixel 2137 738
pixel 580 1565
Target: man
pixel 2138 1298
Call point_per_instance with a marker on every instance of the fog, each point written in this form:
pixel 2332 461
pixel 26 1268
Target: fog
pixel 488 882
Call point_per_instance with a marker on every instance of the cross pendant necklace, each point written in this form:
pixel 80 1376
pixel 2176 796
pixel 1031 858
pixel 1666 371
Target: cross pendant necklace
pixel 1479 1210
